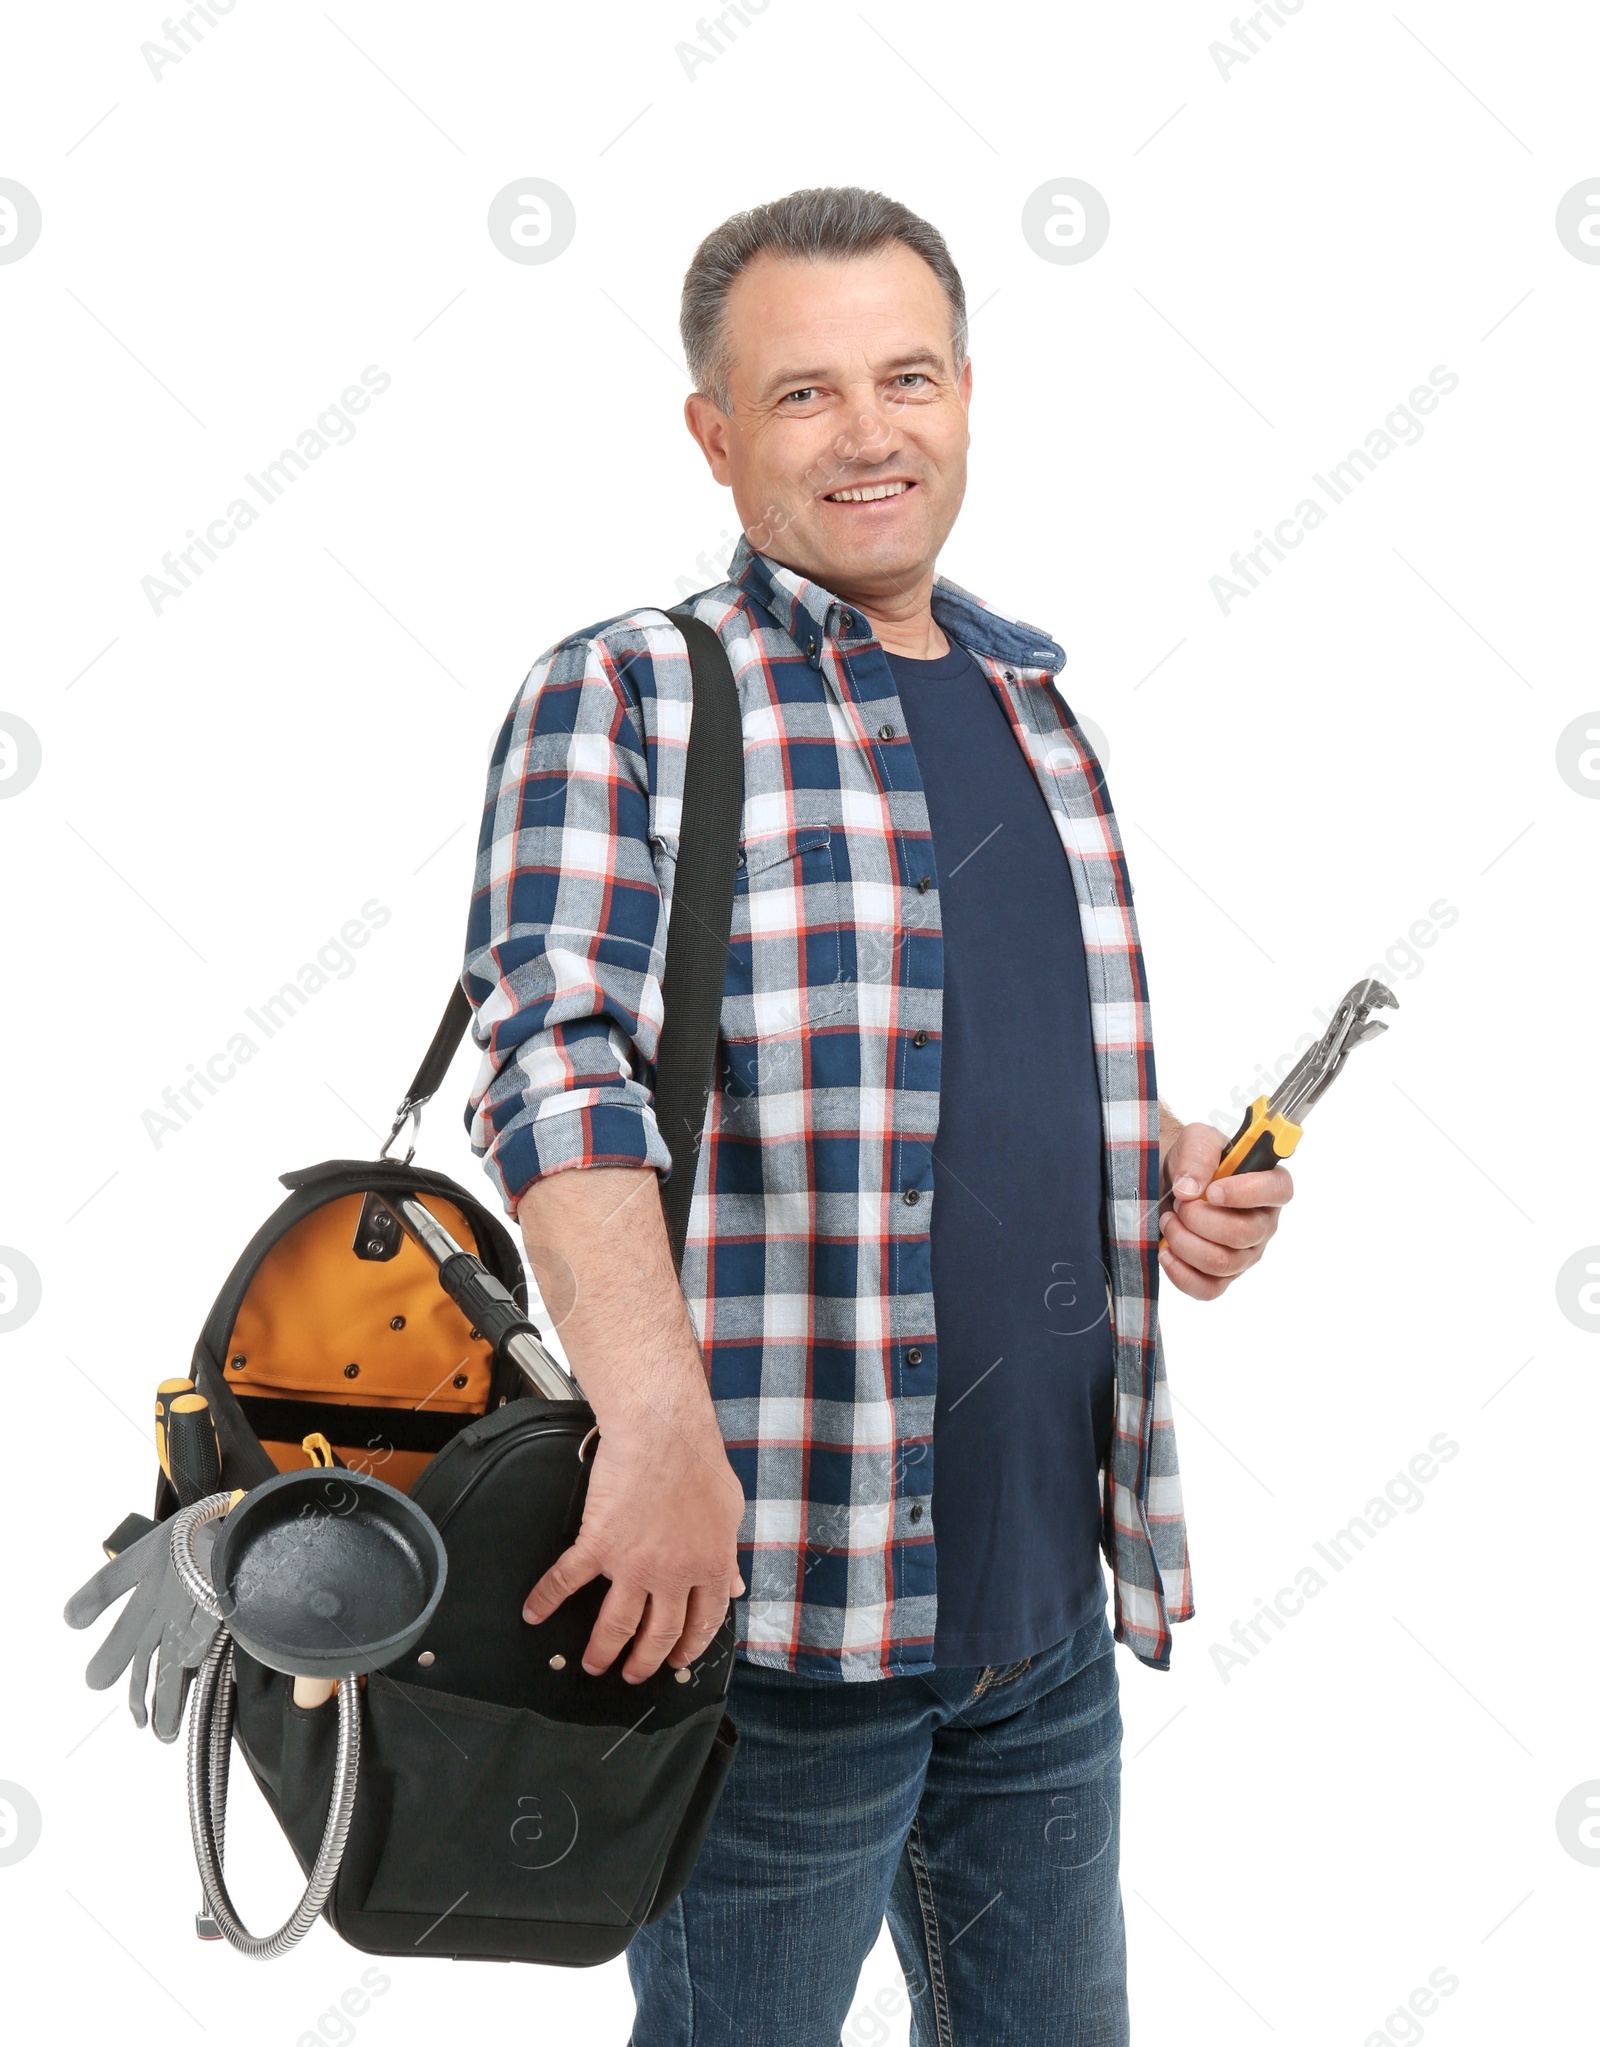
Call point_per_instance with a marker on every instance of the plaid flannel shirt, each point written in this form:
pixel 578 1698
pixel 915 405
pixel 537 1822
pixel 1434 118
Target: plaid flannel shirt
pixel 807 1272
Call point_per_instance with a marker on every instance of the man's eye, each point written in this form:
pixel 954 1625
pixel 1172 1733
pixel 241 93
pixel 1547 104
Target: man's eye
pixel 806 391
pixel 907 379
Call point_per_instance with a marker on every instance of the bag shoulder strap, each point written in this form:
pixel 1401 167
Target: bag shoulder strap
pixel 701 919
pixel 697 933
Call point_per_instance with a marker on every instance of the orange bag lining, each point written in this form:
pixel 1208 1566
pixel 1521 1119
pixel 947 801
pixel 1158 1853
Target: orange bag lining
pixel 314 1309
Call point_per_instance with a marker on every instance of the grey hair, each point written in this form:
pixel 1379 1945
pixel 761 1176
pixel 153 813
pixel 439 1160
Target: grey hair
pixel 823 221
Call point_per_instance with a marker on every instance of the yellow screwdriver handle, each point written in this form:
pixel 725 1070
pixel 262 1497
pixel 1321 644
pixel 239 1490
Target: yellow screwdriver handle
pixel 166 1393
pixel 196 1462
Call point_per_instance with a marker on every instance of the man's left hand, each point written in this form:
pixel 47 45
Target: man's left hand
pixel 1214 1229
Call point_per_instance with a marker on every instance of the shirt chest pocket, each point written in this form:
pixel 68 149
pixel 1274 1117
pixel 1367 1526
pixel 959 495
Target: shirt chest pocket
pixel 784 954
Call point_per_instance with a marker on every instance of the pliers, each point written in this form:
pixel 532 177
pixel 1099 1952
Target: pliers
pixel 1271 1128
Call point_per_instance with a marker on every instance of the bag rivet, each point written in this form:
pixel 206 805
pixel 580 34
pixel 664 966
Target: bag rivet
pixel 238 1362
pixel 397 1322
pixel 352 1371
pixel 459 1381
pixel 475 1335
pixel 558 1663
pixel 682 1676
pixel 426 1659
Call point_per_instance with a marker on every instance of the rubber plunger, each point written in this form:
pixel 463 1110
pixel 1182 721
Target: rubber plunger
pixel 327 1573
pixel 317 1573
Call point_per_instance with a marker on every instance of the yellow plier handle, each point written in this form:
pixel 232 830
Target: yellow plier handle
pixel 1262 1141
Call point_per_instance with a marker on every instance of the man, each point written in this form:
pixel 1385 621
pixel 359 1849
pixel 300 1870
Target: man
pixel 913 1382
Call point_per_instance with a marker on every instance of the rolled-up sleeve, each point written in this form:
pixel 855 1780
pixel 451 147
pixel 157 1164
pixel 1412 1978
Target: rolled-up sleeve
pixel 567 934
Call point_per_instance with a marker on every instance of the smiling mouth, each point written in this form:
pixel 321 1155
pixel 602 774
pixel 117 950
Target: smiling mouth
pixel 868 493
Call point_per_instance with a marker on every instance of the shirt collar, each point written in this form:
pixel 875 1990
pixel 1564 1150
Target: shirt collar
pixel 812 616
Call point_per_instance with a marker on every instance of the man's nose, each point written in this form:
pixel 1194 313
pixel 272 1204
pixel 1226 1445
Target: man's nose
pixel 872 435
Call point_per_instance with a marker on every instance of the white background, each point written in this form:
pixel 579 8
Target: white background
pixel 1373 730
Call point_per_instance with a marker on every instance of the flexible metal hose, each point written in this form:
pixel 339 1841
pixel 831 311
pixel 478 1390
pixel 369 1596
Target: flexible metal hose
pixel 210 1746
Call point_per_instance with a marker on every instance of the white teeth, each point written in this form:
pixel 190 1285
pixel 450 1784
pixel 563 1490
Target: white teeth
pixel 865 496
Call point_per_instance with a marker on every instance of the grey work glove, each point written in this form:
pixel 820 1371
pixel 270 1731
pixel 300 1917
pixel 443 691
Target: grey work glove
pixel 160 1623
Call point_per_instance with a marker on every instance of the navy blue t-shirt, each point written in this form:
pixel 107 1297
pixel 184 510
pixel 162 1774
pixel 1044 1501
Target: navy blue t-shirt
pixel 1024 1407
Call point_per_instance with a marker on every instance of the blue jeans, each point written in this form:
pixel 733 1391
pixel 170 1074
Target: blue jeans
pixel 976 1809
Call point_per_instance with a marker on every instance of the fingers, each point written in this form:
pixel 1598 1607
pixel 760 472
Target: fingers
pixel 110 1660
pixel 663 1626
pixel 1252 1190
pixel 172 1689
pixel 140 1560
pixel 1193 1158
pixel 621 1611
pixel 1216 1243
pixel 1188 1281
pixel 700 1624
pixel 654 1622
pixel 1215 1229
pixel 1205 1247
pixel 1231 1229
pixel 650 1626
pixel 139 1678
pixel 571 1569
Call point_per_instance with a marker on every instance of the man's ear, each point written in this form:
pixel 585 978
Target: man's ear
pixel 710 427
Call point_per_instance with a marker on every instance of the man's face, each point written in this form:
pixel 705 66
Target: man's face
pixel 842 382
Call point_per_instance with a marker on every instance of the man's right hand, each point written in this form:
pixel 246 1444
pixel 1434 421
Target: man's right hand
pixel 664 1506
pixel 662 1523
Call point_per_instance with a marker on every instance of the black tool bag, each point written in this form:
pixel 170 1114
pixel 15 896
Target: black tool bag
pixel 510 1807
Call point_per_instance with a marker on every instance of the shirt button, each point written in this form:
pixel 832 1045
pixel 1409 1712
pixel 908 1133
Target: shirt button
pixel 886 732
pixel 916 1513
pixel 914 1355
pixel 925 884
pixel 911 1197
pixel 1010 674
pixel 847 619
pixel 920 1039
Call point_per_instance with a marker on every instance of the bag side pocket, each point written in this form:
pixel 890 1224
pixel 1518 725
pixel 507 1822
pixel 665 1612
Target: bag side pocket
pixel 697 1818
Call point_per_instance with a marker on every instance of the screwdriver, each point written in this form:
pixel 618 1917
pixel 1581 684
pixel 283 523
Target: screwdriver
pixel 193 1459
pixel 1270 1132
pixel 166 1393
